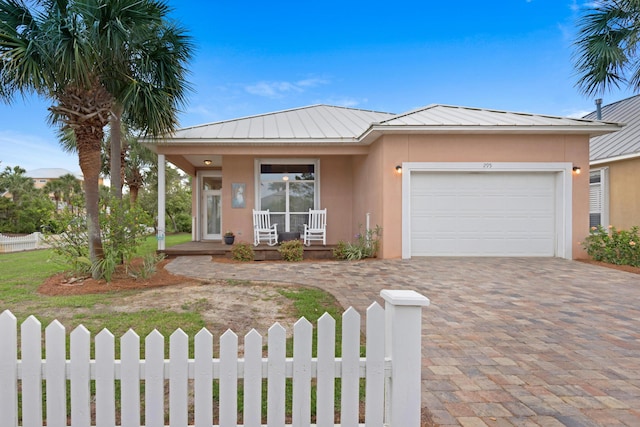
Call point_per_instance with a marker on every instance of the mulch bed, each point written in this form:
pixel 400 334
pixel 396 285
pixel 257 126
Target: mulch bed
pixel 63 284
pixel 626 268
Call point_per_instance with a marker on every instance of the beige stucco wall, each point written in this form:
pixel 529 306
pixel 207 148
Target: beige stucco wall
pixel 624 193
pixel 383 189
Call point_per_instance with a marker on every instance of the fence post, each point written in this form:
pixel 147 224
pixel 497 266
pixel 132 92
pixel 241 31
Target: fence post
pixel 403 345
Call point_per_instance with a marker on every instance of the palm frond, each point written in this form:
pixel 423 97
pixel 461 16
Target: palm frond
pixel 606 46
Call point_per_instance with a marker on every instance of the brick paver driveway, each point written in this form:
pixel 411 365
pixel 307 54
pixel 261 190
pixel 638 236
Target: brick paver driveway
pixel 507 341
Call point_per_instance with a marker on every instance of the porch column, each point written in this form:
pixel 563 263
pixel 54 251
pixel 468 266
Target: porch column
pixel 161 202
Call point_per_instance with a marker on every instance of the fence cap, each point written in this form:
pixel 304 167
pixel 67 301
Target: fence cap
pixel 404 297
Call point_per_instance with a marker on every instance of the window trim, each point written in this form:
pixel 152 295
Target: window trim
pixel 604 195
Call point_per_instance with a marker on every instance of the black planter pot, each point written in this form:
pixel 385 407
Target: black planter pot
pixel 228 240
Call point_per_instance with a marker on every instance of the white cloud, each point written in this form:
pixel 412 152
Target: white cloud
pixel 276 90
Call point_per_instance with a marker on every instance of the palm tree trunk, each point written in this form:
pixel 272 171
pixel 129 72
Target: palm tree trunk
pixel 90 163
pixel 116 148
pixel 133 193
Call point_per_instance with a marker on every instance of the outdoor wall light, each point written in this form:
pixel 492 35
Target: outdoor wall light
pixel 399 169
pixel 576 169
pixel 285 178
pixel 207 162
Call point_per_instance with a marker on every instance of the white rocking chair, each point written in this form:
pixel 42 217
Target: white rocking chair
pixel 316 227
pixel 262 228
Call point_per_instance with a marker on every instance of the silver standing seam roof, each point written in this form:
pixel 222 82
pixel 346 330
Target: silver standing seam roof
pixel 318 124
pixel 619 145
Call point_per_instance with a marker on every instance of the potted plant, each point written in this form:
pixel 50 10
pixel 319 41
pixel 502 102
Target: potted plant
pixel 229 237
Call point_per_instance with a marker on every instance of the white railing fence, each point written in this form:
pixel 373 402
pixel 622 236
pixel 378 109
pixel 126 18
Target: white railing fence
pixel 20 243
pixel 84 391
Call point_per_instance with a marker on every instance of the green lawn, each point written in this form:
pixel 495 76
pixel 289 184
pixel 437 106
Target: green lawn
pixel 22 273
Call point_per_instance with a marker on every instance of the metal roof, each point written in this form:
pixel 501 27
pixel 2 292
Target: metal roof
pixel 449 115
pixel 321 124
pixel 622 144
pixel 51 173
pixel 316 122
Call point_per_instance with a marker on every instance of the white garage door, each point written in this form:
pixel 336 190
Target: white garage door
pixel 483 214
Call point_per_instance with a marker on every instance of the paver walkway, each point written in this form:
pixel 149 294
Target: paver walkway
pixel 506 341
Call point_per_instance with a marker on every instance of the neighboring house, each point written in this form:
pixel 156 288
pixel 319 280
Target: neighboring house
pixel 474 182
pixel 41 176
pixel 614 161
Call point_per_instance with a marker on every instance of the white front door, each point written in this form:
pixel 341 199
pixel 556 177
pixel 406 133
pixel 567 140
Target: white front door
pixel 211 207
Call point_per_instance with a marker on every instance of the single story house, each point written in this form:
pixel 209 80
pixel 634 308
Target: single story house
pixel 440 180
pixel 614 161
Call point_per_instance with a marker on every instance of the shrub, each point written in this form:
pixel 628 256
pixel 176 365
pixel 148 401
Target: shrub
pixel 621 247
pixel 292 250
pixel 340 251
pixel 71 247
pixel 123 232
pixel 149 265
pixel 365 246
pixel 243 251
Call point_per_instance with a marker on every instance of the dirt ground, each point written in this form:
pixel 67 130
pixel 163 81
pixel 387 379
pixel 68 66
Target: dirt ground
pixel 239 306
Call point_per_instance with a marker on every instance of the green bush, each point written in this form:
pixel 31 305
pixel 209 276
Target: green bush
pixel 71 246
pixel 340 251
pixel 183 223
pixel 123 232
pixel 243 251
pixel 291 250
pixel 621 247
pixel 366 246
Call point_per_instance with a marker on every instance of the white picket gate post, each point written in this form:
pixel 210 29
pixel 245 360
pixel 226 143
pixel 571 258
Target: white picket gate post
pixel 403 338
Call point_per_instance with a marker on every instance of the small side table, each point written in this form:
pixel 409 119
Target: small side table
pixel 286 236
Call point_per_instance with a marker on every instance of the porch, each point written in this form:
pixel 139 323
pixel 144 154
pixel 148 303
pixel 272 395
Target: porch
pixel 263 252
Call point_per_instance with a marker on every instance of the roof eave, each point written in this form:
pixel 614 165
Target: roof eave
pixel 614 159
pixel 252 142
pixel 376 130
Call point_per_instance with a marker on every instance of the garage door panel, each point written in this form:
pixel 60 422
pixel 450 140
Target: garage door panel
pixel 492 214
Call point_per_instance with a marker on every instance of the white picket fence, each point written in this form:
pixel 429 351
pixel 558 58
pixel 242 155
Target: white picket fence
pixel 20 243
pixel 391 372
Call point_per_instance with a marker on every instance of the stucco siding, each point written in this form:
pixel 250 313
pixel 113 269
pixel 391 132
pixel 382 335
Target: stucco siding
pixel 395 149
pixel 238 169
pixel 624 193
pixel 336 191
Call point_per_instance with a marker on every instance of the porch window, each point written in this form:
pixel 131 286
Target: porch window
pixel 288 189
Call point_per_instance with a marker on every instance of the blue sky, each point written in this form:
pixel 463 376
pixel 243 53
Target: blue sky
pixel 257 57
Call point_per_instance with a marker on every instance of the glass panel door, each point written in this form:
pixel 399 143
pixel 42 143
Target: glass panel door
pixel 212 210
pixel 211 207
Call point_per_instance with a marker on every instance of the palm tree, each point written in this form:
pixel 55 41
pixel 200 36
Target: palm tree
pixel 86 57
pixel 607 46
pixel 15 182
pixel 54 187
